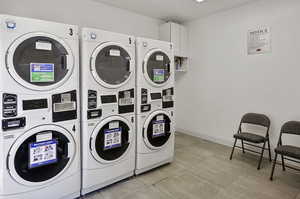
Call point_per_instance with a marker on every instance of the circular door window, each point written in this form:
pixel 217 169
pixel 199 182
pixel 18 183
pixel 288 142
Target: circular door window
pixel 157 130
pixel 40 61
pixel 41 155
pixel 157 68
pixel 112 66
pixel 111 139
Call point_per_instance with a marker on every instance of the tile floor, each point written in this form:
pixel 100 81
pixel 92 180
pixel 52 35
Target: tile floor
pixel 202 169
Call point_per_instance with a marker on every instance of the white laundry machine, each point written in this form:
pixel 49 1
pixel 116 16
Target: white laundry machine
pixel 155 104
pixel 40 132
pixel 108 108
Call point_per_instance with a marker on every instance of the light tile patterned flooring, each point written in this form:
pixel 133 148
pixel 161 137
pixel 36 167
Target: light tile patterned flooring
pixel 202 170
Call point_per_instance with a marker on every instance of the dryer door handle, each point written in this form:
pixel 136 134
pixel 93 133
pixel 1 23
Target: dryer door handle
pixel 64 63
pixel 128 65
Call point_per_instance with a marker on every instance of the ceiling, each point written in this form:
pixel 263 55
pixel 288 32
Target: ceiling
pixel 175 10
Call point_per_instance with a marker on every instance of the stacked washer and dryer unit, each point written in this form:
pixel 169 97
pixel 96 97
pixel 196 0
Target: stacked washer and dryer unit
pixel 108 108
pixel 155 104
pixel 127 109
pixel 39 100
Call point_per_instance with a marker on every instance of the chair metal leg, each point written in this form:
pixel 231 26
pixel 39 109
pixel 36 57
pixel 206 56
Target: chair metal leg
pixel 233 149
pixel 243 146
pixel 283 164
pixel 273 168
pixel 261 156
pixel 270 155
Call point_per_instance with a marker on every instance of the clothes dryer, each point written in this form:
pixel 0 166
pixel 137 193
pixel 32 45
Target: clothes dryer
pixel 108 108
pixel 155 104
pixel 40 137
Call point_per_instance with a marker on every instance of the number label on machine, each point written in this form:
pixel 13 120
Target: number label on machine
pixel 41 72
pixel 42 153
pixel 112 138
pixel 159 126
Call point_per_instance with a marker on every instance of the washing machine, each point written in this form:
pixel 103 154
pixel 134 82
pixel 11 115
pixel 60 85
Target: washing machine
pixel 155 96
pixel 108 108
pixel 39 99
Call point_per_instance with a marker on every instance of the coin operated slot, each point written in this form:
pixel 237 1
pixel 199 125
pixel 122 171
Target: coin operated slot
pixel 146 108
pixel 10 105
pixel 168 98
pixel 64 106
pixel 126 101
pixel 92 99
pixel 144 96
pixel 92 114
pixel 15 123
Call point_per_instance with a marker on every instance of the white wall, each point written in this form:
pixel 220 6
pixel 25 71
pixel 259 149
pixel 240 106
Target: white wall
pixel 87 13
pixel 223 82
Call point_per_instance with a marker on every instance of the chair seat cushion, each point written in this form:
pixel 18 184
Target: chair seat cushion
pixel 288 150
pixel 250 137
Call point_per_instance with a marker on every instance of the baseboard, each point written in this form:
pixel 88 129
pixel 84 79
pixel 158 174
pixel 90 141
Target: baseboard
pixel 226 142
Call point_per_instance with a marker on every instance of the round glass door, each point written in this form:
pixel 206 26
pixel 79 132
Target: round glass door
pixel 157 130
pixel 112 65
pixel 40 61
pixel 111 139
pixel 41 155
pixel 157 68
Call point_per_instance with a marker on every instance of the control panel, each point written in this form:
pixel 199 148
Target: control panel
pixel 145 107
pixel 64 106
pixel 109 104
pixel 126 101
pixel 9 124
pixel 167 98
pixel 10 105
pixel 92 99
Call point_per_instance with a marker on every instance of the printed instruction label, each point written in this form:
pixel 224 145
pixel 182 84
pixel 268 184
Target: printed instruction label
pixel 41 137
pixel 158 75
pixel 42 45
pixel 42 153
pixel 259 41
pixel 115 53
pixel 158 128
pixel 112 138
pixel 126 100
pixel 159 58
pixel 41 72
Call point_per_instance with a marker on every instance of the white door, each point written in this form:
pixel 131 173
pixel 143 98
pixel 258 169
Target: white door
pixel 111 139
pixel 41 155
pixel 40 61
pixel 157 130
pixel 112 65
pixel 157 68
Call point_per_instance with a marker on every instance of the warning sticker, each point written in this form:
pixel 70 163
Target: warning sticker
pixel 158 128
pixel 158 75
pixel 112 138
pixel 41 72
pixel 42 153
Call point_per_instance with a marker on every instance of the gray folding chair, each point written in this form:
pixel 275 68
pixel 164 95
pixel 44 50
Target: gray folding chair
pixel 287 152
pixel 253 139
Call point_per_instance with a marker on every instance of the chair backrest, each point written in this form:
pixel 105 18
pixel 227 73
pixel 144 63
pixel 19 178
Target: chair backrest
pixel 256 119
pixel 291 127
